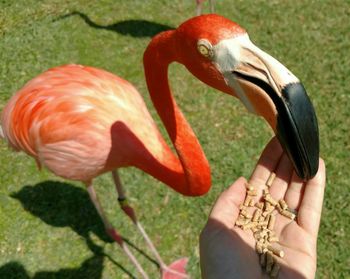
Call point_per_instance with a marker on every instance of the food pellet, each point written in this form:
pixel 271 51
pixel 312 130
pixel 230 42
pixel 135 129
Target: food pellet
pixel 245 214
pixel 252 192
pixel 240 222
pixel 261 222
pixel 266 191
pixel 283 204
pixel 259 205
pixel 249 226
pixel 268 210
pixel 273 239
pixel 279 208
pixel 269 199
pixel 277 251
pixel 256 215
pixel 271 179
pixel 272 221
pixel 247 201
pixel 288 214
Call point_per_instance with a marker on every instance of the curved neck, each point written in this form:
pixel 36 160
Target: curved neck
pixel 194 177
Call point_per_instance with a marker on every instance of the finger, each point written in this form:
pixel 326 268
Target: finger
pixel 284 172
pixel 294 192
pixel 309 214
pixel 267 163
pixel 226 208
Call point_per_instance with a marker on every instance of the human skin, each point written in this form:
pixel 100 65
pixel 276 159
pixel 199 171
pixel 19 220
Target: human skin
pixel 227 251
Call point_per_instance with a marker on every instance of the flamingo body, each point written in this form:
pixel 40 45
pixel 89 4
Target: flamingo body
pixel 72 118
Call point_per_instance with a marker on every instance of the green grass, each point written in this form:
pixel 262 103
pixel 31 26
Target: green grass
pixel 48 227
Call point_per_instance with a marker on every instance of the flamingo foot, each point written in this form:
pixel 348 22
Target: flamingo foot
pixel 176 270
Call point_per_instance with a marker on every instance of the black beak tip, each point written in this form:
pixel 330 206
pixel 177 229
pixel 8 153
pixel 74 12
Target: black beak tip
pixel 297 130
pixel 304 168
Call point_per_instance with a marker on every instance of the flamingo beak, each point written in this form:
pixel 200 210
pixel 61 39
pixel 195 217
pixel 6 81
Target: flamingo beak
pixel 296 124
pixel 297 129
pixel 269 89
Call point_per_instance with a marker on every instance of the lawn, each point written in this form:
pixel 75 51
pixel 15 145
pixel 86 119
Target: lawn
pixel 49 228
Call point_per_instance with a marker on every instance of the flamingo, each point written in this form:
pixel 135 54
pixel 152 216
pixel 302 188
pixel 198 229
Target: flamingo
pixel 199 6
pixel 80 121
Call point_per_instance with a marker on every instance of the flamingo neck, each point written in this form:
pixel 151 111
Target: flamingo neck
pixel 194 176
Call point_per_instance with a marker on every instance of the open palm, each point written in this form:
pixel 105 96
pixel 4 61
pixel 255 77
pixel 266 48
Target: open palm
pixel 229 252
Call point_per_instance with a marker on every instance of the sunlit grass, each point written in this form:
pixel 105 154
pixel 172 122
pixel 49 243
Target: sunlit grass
pixel 39 225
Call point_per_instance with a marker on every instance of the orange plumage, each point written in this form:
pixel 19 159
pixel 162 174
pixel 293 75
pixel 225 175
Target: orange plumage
pixel 64 118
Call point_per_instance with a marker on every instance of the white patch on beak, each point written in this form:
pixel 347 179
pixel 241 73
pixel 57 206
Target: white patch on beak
pixel 226 58
pixel 231 54
pixel 278 75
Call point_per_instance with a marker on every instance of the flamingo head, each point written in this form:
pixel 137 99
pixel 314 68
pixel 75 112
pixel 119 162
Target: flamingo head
pixel 219 52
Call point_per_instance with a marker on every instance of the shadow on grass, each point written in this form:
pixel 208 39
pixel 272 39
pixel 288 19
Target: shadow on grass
pixel 133 27
pixel 91 268
pixel 64 205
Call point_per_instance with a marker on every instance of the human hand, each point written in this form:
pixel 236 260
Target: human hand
pixel 226 251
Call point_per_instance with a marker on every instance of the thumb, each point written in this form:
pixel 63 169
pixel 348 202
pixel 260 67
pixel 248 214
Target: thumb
pixel 226 208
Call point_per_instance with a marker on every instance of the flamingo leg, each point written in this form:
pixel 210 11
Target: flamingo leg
pixel 112 232
pixel 128 210
pixel 199 9
pixel 211 2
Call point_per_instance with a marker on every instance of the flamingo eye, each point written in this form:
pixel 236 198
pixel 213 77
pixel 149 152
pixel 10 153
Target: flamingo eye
pixel 205 48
